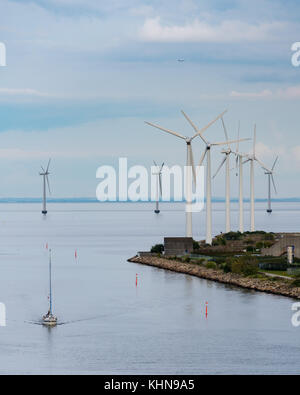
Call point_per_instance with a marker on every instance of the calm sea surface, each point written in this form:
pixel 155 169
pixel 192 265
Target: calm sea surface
pixel 109 325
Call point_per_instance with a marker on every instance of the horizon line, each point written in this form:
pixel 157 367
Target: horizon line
pixel 95 200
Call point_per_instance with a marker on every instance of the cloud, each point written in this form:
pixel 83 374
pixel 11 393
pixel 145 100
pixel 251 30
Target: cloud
pixel 22 92
pixel 292 92
pixel 198 31
pixel 21 154
pixel 289 93
pixel 262 94
pixel 142 11
pixel 270 153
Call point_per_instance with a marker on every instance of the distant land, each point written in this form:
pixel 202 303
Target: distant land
pixel 94 200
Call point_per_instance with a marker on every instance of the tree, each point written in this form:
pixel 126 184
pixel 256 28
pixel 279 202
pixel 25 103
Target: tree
pixel 158 248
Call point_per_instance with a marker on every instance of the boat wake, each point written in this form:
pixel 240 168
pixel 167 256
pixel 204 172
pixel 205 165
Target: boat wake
pixel 64 322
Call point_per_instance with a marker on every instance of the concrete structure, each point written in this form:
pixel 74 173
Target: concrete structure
pixel 281 246
pixel 178 245
pixel 143 254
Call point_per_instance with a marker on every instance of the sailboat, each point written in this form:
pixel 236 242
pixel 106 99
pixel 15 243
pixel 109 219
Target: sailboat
pixel 49 319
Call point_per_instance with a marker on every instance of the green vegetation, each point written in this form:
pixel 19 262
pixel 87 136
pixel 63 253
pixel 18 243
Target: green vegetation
pixel 158 249
pixel 226 266
pixel 196 245
pixel 277 272
pixel 246 265
pixel 211 265
pixel 296 282
pixel 233 236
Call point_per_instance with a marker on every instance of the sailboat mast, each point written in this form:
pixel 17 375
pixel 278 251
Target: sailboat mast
pixel 50 282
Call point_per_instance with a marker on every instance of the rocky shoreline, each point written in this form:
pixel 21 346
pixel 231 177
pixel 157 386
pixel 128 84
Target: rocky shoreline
pixel 280 287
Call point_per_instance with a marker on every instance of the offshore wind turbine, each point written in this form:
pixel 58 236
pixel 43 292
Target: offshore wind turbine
pixel 207 154
pixel 45 174
pixel 158 185
pixel 189 164
pixel 253 158
pixel 271 180
pixel 227 152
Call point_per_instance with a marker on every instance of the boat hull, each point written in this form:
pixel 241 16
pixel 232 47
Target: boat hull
pixel 50 321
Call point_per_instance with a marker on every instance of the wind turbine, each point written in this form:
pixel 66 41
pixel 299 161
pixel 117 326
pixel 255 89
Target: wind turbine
pixel 227 152
pixel 270 175
pixel 45 174
pixel 189 164
pixel 252 158
pixel 158 185
pixel 207 154
pixel 239 165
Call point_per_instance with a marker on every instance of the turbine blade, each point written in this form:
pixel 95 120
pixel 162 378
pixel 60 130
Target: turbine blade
pixel 276 160
pixel 162 166
pixel 273 182
pixel 237 144
pixel 203 157
pixel 155 163
pixel 165 130
pixel 231 142
pixel 246 161
pixel 194 127
pixel 43 169
pixel 220 167
pixel 254 141
pixel 200 132
pixel 225 130
pixel 262 165
pixel 48 165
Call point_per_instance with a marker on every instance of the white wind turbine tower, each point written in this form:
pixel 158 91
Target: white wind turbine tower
pixel 239 165
pixel 227 152
pixel 207 154
pixel 45 174
pixel 158 185
pixel 189 164
pixel 271 180
pixel 252 158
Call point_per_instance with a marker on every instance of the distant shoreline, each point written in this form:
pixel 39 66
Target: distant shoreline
pixel 93 200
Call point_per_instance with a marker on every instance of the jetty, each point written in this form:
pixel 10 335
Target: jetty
pixel 263 284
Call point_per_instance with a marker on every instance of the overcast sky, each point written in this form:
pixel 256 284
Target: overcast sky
pixel 83 75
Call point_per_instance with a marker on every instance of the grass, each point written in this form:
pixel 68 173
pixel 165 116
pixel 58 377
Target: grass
pixel 277 272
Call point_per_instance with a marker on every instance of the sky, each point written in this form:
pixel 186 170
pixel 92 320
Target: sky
pixel 82 76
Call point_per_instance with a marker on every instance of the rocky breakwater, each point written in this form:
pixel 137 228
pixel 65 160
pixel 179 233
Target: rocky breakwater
pixel 279 287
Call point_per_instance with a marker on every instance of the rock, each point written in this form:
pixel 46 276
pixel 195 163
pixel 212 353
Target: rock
pixel 262 285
